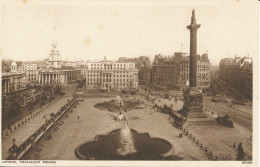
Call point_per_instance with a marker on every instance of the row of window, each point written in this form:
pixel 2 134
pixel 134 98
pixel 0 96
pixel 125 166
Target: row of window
pixel 110 68
pixel 109 75
pixel 116 64
pixel 117 72
pixel 118 80
pixel 115 84
pixel 199 74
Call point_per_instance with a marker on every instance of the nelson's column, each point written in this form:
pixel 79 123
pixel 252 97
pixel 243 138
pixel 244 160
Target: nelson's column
pixel 193 104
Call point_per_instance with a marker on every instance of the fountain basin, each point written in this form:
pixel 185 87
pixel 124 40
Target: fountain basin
pixel 105 147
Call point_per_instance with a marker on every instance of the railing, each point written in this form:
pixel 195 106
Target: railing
pixel 19 151
pixel 28 117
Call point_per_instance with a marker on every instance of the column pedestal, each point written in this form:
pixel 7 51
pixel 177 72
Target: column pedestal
pixel 193 108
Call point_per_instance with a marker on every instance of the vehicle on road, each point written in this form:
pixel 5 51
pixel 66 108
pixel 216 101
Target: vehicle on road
pixel 219 98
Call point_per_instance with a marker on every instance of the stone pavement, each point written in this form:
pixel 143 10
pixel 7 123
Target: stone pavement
pixel 94 122
pixel 161 102
pixel 22 133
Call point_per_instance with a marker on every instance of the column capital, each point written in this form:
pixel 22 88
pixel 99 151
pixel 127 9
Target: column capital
pixel 193 27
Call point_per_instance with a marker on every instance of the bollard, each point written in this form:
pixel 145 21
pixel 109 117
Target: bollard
pixel 234 145
pixel 197 141
pixel 201 145
pixel 19 124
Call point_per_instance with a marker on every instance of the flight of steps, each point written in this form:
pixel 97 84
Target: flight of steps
pixel 198 118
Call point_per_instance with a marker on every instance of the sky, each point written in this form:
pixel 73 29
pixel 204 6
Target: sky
pixel 91 30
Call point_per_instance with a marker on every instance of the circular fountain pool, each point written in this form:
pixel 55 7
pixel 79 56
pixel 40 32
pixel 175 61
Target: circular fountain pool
pixel 117 106
pixel 115 147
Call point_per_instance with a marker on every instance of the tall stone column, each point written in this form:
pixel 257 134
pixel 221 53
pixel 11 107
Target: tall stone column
pixel 56 77
pixel 193 50
pixel 49 79
pixel 6 87
pixel 45 78
pixel 193 102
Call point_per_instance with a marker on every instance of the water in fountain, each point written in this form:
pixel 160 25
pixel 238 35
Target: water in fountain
pixel 119 100
pixel 126 142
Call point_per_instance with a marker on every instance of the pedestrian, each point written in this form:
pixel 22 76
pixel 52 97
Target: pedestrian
pixel 240 152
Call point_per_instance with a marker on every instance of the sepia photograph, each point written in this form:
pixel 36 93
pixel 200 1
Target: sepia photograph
pixel 129 83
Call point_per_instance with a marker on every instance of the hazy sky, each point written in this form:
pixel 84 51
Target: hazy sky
pixel 91 30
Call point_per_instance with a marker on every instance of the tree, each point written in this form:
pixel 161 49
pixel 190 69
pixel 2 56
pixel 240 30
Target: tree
pixel 57 90
pixel 14 109
pixel 43 99
pixel 6 65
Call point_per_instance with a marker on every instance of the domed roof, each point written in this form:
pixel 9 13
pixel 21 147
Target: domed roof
pixel 13 63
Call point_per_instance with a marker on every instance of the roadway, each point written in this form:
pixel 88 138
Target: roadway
pixel 242 115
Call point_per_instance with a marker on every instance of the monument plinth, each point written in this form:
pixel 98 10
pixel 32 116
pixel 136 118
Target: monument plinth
pixel 193 100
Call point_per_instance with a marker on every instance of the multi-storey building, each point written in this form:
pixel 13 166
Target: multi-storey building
pixel 31 71
pixel 111 75
pixel 173 71
pixel 143 64
pixel 238 73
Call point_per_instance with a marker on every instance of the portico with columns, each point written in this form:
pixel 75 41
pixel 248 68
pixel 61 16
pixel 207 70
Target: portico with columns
pixel 52 76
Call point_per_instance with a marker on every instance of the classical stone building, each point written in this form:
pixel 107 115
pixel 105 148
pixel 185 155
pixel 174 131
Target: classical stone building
pixel 238 73
pixel 172 72
pixel 111 75
pixel 12 82
pixel 60 76
pixel 54 73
